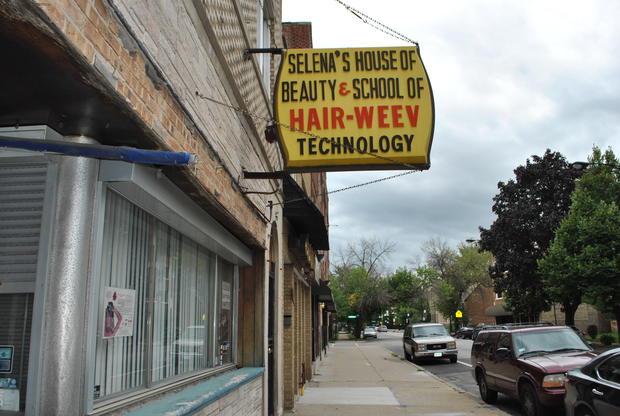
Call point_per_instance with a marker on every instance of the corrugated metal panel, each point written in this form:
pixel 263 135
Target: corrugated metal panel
pixel 22 191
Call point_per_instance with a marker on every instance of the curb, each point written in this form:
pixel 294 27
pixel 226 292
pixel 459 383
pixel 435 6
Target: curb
pixel 447 383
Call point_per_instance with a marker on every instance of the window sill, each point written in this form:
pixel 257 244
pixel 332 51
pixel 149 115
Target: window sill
pixel 191 399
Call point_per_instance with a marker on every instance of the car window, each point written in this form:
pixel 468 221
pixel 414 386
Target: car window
pixel 429 331
pixel 504 341
pixel 548 341
pixel 610 370
pixel 489 344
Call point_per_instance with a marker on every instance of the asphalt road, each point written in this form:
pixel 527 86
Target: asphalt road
pixel 458 374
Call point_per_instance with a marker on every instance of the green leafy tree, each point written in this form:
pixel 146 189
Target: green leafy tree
pixel 357 279
pixel 528 209
pixel 584 259
pixel 408 300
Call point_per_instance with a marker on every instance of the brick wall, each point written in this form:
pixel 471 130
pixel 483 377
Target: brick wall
pixel 158 56
pixel 244 401
pixel 298 35
pixel 477 302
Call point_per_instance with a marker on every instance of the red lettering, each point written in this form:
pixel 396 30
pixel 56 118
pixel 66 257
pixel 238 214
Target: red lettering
pixel 382 115
pixel 337 114
pixel 396 116
pixel 296 120
pixel 363 115
pixel 313 119
pixel 412 114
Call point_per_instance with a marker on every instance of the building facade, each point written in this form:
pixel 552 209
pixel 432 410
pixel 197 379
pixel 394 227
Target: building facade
pixel 141 270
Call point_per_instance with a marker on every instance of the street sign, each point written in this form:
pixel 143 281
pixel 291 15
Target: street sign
pixel 458 314
pixel 352 316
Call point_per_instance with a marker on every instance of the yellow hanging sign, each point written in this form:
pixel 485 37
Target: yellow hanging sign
pixel 354 109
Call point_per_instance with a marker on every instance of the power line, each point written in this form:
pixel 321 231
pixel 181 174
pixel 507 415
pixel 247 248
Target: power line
pixel 376 24
pixel 269 120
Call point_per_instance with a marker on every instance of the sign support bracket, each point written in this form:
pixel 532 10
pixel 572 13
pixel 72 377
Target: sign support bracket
pixel 274 51
pixel 278 174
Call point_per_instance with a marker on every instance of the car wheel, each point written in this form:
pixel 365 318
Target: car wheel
pixel 452 360
pixel 407 355
pixel 529 400
pixel 486 394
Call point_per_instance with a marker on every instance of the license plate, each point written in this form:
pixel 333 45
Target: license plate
pixel 437 354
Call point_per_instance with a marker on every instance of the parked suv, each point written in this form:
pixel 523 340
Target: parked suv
pixel 428 341
pixel 528 362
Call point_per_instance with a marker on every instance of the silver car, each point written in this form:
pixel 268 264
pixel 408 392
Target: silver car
pixel 429 340
pixel 369 332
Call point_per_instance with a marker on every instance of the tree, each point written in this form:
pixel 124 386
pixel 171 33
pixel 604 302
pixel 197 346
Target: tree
pixel 357 282
pixel 457 272
pixel 408 300
pixel 528 209
pixel 370 254
pixel 584 258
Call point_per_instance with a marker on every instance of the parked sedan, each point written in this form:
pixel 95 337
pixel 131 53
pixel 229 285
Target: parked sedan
pixel 594 390
pixel 464 332
pixel 381 328
pixel 369 332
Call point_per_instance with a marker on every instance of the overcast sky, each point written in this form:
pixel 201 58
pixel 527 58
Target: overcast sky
pixel 510 79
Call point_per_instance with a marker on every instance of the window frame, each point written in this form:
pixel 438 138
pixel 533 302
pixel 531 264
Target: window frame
pixel 615 357
pixel 136 184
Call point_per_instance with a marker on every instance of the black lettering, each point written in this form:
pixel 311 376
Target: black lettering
pixel 384 144
pixel 362 144
pixel 284 92
pixel 322 150
pixel 408 140
pixel 397 143
pixel 373 149
pixel 332 86
pixel 291 62
pixel 336 147
pixel 345 59
pixel 301 141
pixel 349 145
pixel 312 145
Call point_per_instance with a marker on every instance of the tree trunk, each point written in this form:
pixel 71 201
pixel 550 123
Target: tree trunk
pixel 617 315
pixel 569 313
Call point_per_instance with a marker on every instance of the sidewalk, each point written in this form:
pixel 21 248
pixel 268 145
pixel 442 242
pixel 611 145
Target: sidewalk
pixel 358 378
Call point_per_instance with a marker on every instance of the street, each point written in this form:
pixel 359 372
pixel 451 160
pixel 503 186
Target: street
pixel 458 374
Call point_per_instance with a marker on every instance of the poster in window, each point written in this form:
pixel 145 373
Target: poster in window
pixel 118 312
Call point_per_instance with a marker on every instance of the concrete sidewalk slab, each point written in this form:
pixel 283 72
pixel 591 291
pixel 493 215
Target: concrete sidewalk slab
pixel 357 378
pixel 349 395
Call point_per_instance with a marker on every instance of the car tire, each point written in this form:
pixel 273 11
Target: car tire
pixel 486 394
pixel 407 355
pixel 453 360
pixel 529 400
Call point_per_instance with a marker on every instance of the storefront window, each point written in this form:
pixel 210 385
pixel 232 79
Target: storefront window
pixel 159 303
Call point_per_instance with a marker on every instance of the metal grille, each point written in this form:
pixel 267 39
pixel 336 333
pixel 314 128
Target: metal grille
pixel 22 191
pixel 436 346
